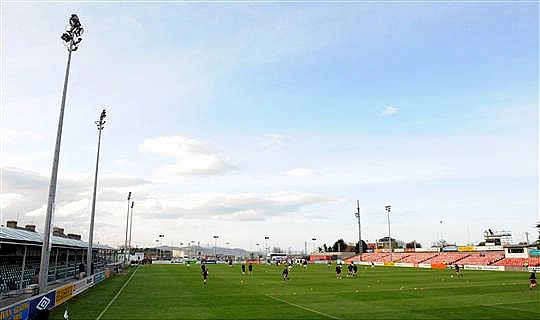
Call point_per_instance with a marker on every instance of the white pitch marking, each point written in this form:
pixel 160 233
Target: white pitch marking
pixel 302 307
pixel 116 296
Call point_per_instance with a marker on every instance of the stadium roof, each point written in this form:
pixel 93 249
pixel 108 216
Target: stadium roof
pixel 11 235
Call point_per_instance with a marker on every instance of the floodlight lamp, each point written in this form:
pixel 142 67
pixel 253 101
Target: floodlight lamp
pixel 103 115
pixel 132 204
pixel 78 31
pixel 74 21
pixel 129 195
pixel 66 37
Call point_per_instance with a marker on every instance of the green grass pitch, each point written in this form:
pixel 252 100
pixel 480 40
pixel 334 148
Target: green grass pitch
pixel 177 292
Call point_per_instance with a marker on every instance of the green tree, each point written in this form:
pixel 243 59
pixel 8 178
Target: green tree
pixel 339 246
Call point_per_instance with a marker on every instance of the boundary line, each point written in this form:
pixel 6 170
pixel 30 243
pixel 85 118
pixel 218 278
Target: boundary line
pixel 117 294
pixel 302 307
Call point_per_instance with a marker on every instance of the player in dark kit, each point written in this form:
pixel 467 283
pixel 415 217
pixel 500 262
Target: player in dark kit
pixel 205 275
pixel 532 280
pixel 285 273
pixel 203 267
pixel 243 268
pixel 457 271
pixel 355 270
pixel 349 271
pixel 338 271
pixel 250 268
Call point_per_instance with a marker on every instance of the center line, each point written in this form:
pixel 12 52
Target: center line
pixel 302 307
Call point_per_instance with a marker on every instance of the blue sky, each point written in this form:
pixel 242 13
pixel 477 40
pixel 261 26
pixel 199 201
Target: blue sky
pixel 245 120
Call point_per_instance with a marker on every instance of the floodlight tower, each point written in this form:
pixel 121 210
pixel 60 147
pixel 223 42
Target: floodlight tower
pixel 215 244
pixel 389 239
pixel 127 223
pixel 161 236
pixel 360 245
pixel 72 38
pixel 130 225
pixel 267 249
pixel 100 125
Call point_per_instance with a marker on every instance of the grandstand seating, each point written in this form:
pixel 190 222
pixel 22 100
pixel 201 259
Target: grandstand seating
pixel 447 258
pixel 11 269
pixel 395 257
pixel 372 257
pixel 518 262
pixel 418 257
pixel 482 259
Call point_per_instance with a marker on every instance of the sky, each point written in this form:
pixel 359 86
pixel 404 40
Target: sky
pixel 252 120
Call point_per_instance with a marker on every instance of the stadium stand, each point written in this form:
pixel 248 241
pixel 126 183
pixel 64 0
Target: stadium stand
pixel 20 245
pixel 373 257
pixel 447 258
pixel 518 262
pixel 395 257
pixel 418 257
pixel 482 258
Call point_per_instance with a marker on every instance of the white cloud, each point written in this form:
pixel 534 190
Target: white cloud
pixel 230 206
pixel 10 135
pixel 73 208
pixel 192 157
pixel 301 172
pixel 8 199
pixel 120 162
pixel 389 111
pixel 274 142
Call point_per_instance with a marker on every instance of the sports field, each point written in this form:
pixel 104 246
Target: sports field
pixel 177 292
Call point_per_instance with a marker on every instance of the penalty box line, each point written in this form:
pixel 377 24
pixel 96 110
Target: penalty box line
pixel 117 294
pixel 302 307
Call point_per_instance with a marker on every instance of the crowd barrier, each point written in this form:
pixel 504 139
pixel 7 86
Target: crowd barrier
pixel 29 307
pixel 484 268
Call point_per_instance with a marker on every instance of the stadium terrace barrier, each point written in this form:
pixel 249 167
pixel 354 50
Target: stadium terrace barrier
pixel 29 307
pixel 426 250
pixel 82 285
pixel 534 253
pixel 465 249
pixel 485 268
pixel 404 264
pixel 424 265
pixel 488 248
pixel 63 294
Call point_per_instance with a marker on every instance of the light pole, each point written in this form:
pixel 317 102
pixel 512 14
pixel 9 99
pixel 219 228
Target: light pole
pixel 313 239
pixel 100 125
pixel 158 252
pixel 215 243
pixel 72 39
pixel 360 244
pixel 161 236
pixel 127 223
pixel 389 239
pixel 267 249
pixel 130 225
pixel 258 253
